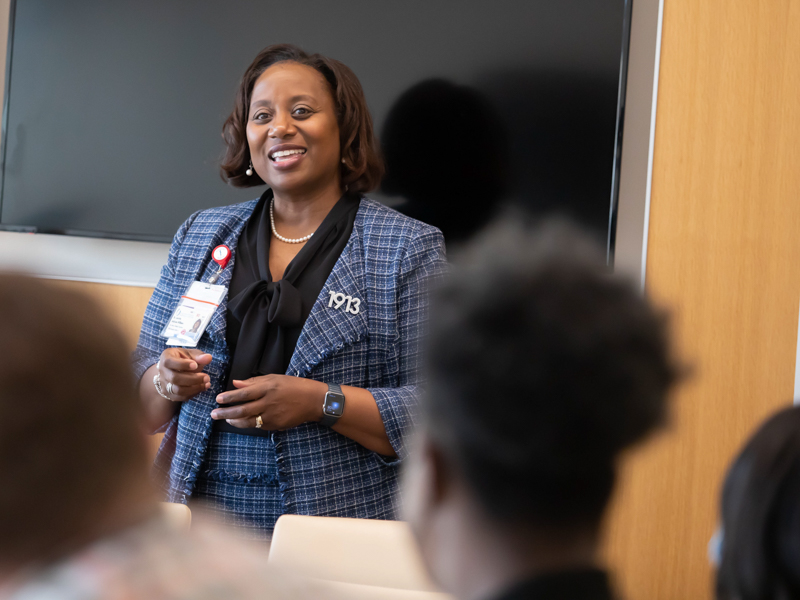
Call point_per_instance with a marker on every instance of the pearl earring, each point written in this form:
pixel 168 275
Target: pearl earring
pixel 249 171
pixel 343 162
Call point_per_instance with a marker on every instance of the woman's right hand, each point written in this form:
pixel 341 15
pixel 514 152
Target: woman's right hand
pixel 183 368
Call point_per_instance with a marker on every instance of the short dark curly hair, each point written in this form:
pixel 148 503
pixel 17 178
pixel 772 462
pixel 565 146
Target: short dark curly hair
pixel 543 367
pixel 362 168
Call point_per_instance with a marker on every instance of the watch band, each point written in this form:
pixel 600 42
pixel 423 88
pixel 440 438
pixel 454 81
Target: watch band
pixel 330 420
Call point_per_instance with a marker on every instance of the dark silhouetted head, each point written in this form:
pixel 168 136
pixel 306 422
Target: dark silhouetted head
pixel 446 154
pixel 760 553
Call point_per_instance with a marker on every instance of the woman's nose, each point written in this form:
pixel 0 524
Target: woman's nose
pixel 281 127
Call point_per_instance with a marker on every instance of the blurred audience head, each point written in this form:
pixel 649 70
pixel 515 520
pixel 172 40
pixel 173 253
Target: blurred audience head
pixel 543 368
pixel 760 551
pixel 73 460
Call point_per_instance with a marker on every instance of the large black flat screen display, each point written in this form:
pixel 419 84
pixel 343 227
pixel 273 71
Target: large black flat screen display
pixel 114 109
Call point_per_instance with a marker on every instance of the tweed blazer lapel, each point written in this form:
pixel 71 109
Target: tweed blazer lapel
pixel 218 323
pixel 328 329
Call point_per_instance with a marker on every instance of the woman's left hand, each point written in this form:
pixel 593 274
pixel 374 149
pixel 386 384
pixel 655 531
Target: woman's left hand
pixel 282 401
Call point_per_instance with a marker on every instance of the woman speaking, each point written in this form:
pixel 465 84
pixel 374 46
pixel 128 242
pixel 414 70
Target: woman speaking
pixel 300 388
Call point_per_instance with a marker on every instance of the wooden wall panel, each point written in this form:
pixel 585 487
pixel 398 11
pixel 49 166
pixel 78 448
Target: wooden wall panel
pixel 724 255
pixel 125 304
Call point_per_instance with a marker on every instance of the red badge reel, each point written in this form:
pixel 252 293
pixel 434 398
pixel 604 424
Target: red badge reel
pixel 221 255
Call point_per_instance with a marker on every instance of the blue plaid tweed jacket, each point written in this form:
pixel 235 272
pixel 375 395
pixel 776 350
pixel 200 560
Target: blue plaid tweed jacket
pixel 320 472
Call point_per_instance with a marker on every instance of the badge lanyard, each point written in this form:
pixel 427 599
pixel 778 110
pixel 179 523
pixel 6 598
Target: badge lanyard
pixel 197 305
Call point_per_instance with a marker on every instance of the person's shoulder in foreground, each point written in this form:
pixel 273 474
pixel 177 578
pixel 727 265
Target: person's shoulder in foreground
pixel 157 560
pixel 543 367
pixel 77 514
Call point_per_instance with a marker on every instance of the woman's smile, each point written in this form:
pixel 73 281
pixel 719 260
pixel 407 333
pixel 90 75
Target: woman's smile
pixel 286 156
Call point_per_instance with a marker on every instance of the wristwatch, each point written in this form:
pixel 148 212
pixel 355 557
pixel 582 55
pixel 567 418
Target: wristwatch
pixel 333 406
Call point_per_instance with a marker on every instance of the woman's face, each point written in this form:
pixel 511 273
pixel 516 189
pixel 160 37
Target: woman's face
pixel 292 130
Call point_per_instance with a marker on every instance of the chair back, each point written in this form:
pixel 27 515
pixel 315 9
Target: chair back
pixel 178 515
pixel 361 552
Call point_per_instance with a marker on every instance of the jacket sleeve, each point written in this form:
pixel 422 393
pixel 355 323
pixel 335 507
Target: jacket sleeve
pixel 151 345
pixel 424 260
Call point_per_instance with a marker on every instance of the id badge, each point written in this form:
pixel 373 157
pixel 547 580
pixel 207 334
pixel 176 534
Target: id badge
pixel 193 313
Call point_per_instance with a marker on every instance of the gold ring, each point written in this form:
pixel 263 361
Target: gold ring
pixel 259 422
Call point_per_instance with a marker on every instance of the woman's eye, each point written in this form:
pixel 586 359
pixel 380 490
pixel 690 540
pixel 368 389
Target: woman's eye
pixel 301 112
pixel 261 117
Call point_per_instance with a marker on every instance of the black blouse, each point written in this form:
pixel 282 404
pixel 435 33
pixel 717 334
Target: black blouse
pixel 265 317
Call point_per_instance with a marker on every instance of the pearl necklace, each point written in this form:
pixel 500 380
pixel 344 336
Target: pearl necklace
pixel 279 236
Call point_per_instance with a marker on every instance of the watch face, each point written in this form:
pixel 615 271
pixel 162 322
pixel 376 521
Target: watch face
pixel 334 404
